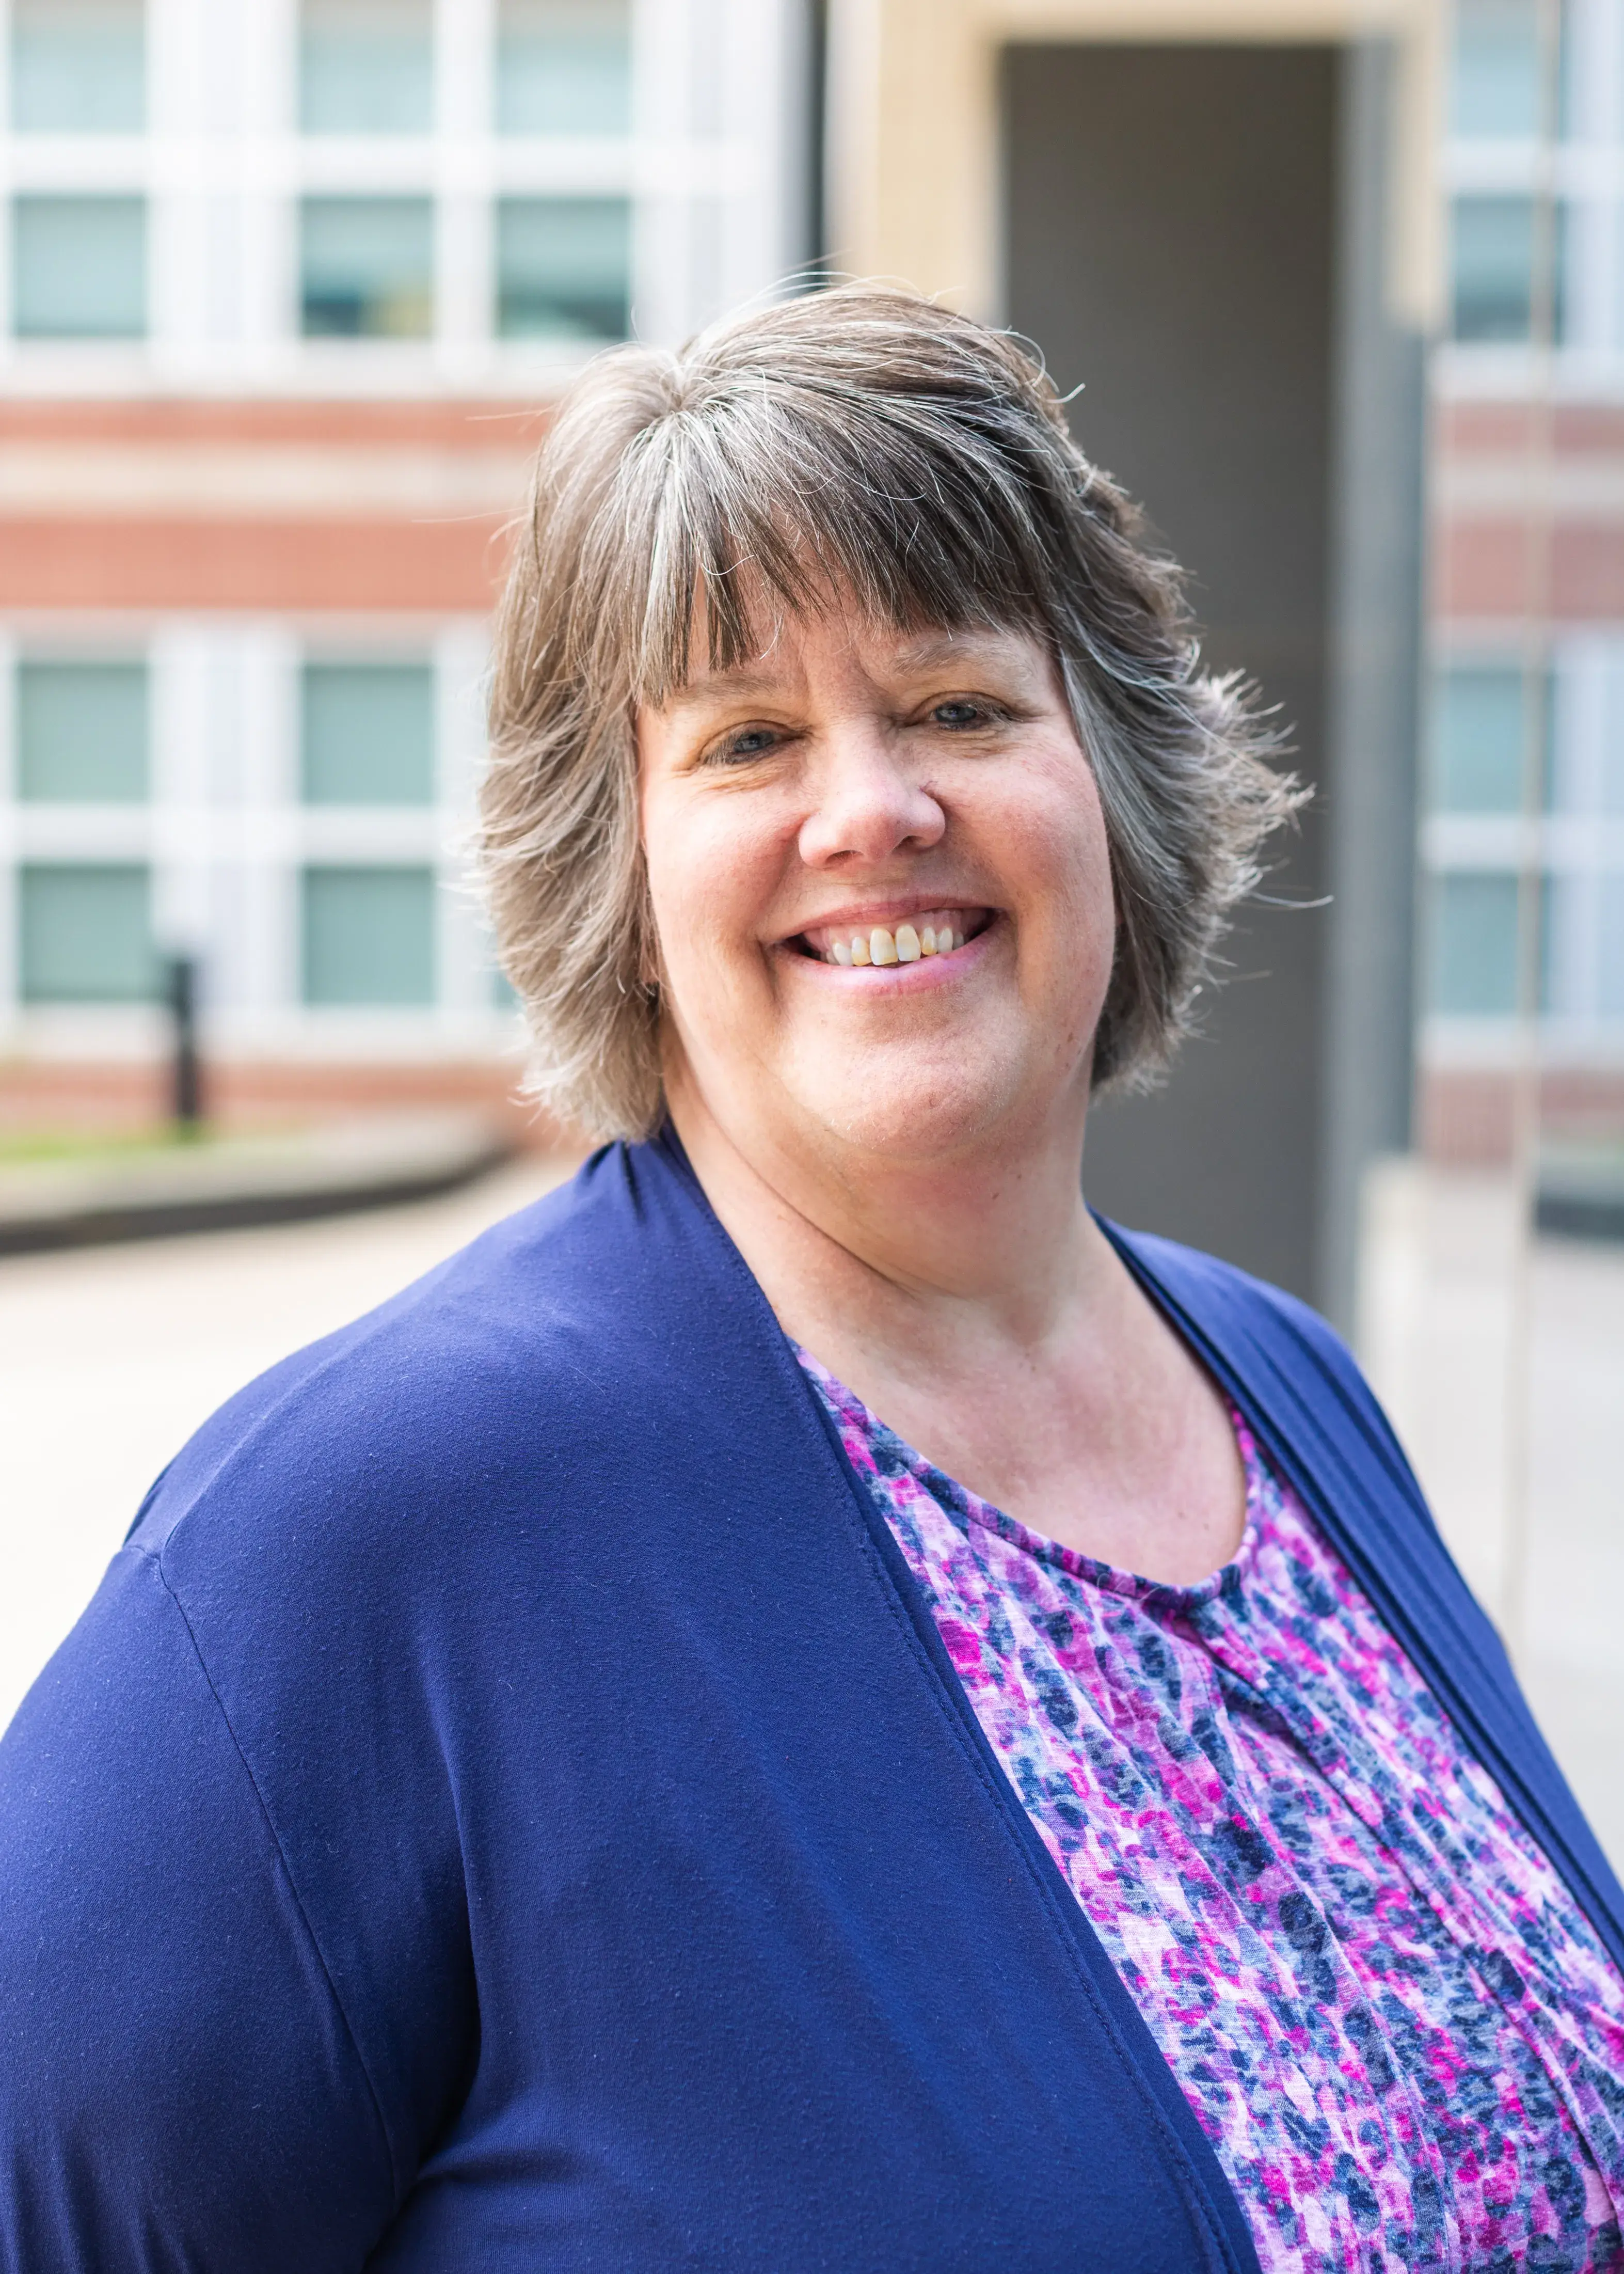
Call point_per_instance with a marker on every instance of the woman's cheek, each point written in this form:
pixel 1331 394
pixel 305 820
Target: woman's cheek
pixel 709 895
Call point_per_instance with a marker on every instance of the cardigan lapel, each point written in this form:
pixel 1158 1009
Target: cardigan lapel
pixel 1305 1397
pixel 1190 2159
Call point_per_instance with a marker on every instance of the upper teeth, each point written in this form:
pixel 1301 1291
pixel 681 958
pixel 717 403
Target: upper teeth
pixel 904 945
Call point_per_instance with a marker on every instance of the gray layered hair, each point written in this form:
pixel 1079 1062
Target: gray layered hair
pixel 858 449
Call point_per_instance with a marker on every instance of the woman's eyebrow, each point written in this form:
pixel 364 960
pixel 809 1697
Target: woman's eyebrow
pixel 932 649
pixel 719 687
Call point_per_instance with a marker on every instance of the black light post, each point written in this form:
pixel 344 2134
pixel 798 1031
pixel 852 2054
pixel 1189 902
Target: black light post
pixel 186 1075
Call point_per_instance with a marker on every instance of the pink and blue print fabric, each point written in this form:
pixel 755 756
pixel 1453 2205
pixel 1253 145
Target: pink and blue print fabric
pixel 1394 2023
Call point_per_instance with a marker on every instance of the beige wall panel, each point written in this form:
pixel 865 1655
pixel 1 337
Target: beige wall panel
pixel 913 157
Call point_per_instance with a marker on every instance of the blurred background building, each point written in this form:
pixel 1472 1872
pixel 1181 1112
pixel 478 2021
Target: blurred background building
pixel 1526 731
pixel 1336 286
pixel 283 285
pixel 286 286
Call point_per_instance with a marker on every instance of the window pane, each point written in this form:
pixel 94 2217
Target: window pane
pixel 1493 246
pixel 80 268
pixel 78 66
pixel 81 731
pixel 369 935
pixel 367 268
pixel 1609 991
pixel 1478 757
pixel 1497 68
pixel 366 66
pixel 368 733
pixel 563 269
pixel 87 935
pixel 1475 945
pixel 1493 268
pixel 564 67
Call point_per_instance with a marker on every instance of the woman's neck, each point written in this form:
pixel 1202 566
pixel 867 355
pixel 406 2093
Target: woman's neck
pixel 976 1306
pixel 945 1258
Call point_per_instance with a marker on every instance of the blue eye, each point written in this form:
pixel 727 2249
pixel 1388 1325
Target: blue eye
pixel 750 742
pixel 958 714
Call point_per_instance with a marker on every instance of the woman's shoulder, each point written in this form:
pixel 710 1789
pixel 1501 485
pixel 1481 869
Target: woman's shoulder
pixel 418 1428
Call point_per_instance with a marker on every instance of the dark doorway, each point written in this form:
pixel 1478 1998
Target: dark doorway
pixel 1171 218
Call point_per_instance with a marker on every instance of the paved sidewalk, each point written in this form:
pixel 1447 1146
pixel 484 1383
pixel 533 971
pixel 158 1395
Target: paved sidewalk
pixel 1496 1359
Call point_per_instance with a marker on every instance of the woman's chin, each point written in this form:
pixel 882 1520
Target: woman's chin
pixel 908 1116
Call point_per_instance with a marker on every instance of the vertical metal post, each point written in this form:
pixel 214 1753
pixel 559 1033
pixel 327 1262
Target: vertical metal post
pixel 1544 288
pixel 186 1074
pixel 817 269
pixel 1373 712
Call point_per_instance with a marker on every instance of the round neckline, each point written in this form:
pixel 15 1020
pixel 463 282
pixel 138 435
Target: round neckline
pixel 1108 1579
pixel 1117 1579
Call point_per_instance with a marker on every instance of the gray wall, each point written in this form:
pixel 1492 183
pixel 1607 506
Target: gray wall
pixel 1177 240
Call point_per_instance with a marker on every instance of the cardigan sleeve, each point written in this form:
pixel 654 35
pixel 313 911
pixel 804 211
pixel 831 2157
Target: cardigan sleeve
pixel 179 2088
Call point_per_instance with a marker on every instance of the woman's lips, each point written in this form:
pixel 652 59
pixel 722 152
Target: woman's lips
pixel 932 931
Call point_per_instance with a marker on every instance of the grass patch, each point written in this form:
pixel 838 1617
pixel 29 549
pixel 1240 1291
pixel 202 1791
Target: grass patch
pixel 21 1147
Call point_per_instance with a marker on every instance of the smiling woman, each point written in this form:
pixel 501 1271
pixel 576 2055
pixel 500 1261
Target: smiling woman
pixel 858 460
pixel 808 1703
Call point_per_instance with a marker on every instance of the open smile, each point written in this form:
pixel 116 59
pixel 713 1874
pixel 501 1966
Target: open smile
pixel 927 932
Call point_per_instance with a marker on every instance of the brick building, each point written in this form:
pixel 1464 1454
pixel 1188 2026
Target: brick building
pixel 285 287
pixel 1525 801
pixel 284 291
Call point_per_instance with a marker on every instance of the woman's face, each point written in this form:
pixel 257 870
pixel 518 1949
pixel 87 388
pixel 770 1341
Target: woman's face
pixel 880 884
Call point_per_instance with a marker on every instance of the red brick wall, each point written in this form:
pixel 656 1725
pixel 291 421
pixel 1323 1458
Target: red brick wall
pixel 448 567
pixel 152 510
pixel 1468 1116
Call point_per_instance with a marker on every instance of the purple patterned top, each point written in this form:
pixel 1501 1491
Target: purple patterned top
pixel 1395 2025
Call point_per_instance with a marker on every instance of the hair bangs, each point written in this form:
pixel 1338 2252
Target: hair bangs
pixel 772 507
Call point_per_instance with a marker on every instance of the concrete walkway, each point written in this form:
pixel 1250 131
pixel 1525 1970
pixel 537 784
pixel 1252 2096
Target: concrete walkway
pixel 110 1357
pixel 1501 1362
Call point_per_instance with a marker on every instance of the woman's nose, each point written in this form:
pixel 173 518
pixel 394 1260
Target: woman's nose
pixel 869 804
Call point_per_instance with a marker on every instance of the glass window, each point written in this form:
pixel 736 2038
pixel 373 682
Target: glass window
pixel 368 733
pixel 81 732
pixel 563 269
pixel 563 67
pixel 367 268
pixel 1491 258
pixel 78 66
pixel 78 268
pixel 1610 992
pixel 1496 80
pixel 1494 242
pixel 369 935
pixel 366 66
pixel 87 935
pixel 1478 731
pixel 1606 795
pixel 1474 961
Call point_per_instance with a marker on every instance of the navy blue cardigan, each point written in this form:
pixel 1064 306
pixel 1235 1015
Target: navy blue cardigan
pixel 508 1809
